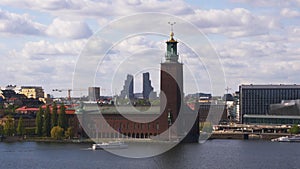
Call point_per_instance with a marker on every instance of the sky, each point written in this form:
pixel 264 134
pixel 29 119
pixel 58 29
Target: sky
pixel 42 42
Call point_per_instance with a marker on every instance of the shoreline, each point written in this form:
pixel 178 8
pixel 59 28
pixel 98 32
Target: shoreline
pixel 215 135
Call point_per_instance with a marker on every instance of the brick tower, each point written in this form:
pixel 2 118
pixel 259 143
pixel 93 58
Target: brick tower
pixel 171 97
pixel 171 80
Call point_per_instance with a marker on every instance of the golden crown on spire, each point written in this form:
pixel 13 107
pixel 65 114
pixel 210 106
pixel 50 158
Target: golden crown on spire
pixel 172 33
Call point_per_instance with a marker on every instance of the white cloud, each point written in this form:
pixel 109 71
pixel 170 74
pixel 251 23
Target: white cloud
pixel 266 3
pixel 17 24
pixel 237 22
pixel 11 23
pixel 47 50
pixel 98 9
pixel 68 29
pixel 286 12
pixel 256 46
pixel 42 63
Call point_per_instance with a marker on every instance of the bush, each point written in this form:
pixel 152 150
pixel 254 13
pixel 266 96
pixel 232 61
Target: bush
pixel 295 129
pixel 30 131
pixel 57 133
pixel 69 133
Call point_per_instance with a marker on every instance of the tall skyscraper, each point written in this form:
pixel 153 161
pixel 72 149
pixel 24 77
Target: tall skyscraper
pixel 127 91
pixel 147 88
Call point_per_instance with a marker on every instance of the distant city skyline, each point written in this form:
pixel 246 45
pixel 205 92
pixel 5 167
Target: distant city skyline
pixel 257 41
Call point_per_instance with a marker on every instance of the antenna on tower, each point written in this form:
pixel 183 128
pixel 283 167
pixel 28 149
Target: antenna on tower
pixel 172 33
pixel 171 23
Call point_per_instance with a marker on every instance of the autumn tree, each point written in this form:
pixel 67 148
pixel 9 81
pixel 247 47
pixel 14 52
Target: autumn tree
pixel 57 132
pixel 69 133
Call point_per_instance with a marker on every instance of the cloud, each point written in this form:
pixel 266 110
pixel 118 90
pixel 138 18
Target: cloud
pixel 256 45
pixel 17 24
pixel 266 3
pixel 11 23
pixel 47 50
pixel 69 29
pixel 286 12
pixel 42 63
pixel 237 22
pixel 268 60
pixel 98 9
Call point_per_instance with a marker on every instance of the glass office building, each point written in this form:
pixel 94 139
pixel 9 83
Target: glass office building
pixel 256 99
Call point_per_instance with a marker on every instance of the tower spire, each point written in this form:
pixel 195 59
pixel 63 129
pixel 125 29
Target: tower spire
pixel 172 33
pixel 171 55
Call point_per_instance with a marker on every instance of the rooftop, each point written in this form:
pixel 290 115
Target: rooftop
pixel 95 109
pixel 269 86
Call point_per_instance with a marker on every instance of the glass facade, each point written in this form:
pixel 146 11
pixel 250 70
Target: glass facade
pixel 267 119
pixel 147 88
pixel 256 99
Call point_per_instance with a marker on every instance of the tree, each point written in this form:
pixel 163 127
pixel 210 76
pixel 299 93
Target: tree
pixel 47 122
pixel 54 115
pixel 69 133
pixel 1 130
pixel 207 127
pixel 57 132
pixel 295 129
pixel 20 128
pixel 62 119
pixel 39 122
pixel 9 127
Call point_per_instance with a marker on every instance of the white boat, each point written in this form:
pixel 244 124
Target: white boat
pixel 295 138
pixel 110 145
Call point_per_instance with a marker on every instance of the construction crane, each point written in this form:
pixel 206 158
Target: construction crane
pixel 69 91
pixel 227 90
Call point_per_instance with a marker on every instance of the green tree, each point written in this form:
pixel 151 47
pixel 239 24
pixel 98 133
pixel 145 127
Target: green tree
pixel 54 115
pixel 1 130
pixel 62 119
pixel 69 133
pixel 207 127
pixel 9 127
pixel 39 122
pixel 20 128
pixel 47 122
pixel 57 132
pixel 295 129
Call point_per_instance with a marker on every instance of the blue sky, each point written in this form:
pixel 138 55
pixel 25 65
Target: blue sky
pixel 256 40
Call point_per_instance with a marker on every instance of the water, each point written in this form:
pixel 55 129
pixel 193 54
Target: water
pixel 214 154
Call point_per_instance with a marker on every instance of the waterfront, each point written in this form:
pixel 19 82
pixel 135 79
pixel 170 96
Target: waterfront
pixel 212 154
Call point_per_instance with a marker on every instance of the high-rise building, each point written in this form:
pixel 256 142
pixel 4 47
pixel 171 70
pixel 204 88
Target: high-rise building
pixel 256 99
pixel 127 91
pixel 147 88
pixel 94 93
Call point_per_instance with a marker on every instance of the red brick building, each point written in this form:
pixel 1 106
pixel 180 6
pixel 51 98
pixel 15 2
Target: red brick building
pixel 138 122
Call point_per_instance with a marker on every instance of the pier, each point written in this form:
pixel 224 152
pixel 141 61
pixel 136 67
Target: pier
pixel 242 131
